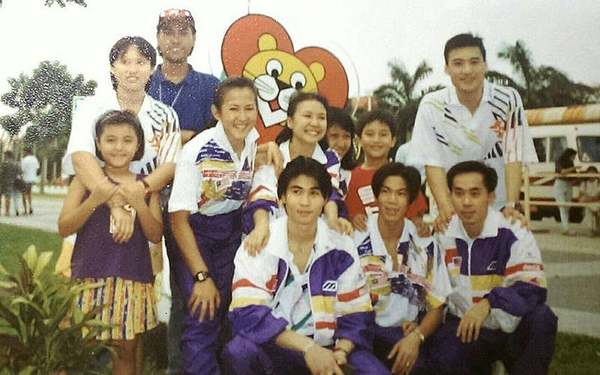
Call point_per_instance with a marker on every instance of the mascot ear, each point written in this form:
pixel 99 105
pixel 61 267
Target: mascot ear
pixel 333 82
pixel 317 70
pixel 242 41
pixel 267 42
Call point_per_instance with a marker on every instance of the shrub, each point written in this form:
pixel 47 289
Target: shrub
pixel 41 329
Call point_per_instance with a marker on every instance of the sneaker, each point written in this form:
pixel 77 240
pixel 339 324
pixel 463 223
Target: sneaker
pixel 17 213
pixel 30 211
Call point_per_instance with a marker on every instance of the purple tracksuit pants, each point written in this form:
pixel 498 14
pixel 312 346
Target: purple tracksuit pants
pixel 244 357
pixel 218 238
pixel 528 350
pixel 384 341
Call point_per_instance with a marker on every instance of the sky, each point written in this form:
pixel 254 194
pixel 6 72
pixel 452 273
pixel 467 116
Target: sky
pixel 365 35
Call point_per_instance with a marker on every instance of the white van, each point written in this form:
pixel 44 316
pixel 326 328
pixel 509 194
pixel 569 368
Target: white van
pixel 553 130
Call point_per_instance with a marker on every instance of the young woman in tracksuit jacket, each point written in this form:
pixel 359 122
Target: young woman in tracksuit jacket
pixel 303 136
pixel 212 180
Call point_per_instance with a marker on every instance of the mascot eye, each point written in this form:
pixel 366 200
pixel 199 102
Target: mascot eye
pixel 274 68
pixel 298 80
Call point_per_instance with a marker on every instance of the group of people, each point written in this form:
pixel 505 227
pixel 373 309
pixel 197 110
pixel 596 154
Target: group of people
pixel 294 256
pixel 18 178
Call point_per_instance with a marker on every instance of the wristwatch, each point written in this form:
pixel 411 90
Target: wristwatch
pixel 201 276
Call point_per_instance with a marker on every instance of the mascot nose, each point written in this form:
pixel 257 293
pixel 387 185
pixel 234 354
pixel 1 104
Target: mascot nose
pixel 282 85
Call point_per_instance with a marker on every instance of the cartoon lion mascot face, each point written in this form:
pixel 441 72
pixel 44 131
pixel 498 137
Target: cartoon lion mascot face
pixel 259 48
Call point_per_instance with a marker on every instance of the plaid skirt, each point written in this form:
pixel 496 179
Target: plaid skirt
pixel 129 307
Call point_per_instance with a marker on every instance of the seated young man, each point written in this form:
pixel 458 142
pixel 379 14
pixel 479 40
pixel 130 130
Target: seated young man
pixel 407 278
pixel 301 305
pixel 496 310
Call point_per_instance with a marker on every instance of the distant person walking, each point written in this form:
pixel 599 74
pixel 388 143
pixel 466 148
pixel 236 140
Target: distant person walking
pixel 29 166
pixel 9 171
pixel 589 191
pixel 563 191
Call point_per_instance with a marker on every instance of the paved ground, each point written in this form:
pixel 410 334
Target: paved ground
pixel 572 265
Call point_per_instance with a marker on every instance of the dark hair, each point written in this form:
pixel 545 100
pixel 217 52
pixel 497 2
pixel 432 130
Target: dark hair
pixel 223 88
pixel 304 166
pixel 28 151
pixel 229 84
pixel 298 97
pixel 461 41
pixel 340 118
pixel 592 169
pixel 490 177
pixel 410 175
pixel 121 46
pixel 567 154
pixel 119 118
pixel 380 115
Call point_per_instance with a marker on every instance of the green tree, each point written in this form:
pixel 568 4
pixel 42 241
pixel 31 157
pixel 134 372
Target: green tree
pixel 540 86
pixel 61 3
pixel 43 100
pixel 400 96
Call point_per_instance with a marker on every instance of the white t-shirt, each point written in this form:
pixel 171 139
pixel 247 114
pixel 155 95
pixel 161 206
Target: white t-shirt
pixel 402 157
pixel 162 134
pixel 210 178
pixel 294 298
pixel 29 166
pixel 446 132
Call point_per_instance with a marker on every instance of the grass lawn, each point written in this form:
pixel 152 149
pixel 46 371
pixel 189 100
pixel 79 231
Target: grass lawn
pixel 574 354
pixel 14 241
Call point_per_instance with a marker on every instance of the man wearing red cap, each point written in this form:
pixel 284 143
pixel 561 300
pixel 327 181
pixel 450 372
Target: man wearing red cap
pixel 190 93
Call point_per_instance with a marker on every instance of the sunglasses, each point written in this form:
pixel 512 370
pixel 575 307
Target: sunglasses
pixel 175 13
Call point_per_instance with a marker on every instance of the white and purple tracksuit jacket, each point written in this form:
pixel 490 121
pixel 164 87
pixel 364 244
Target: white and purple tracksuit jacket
pixel 503 264
pixel 340 303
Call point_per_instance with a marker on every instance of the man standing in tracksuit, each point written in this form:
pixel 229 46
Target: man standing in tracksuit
pixel 497 309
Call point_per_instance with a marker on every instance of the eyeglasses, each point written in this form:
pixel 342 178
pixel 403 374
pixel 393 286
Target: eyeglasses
pixel 175 13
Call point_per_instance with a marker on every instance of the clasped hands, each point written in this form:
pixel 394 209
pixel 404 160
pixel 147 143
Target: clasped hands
pixel 118 197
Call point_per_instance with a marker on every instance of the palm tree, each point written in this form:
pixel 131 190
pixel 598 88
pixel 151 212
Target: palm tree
pixel 540 86
pixel 400 97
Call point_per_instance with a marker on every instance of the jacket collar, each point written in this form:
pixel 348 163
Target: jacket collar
pixel 487 94
pixel 376 238
pixel 318 153
pixel 189 78
pixel 278 243
pixel 223 141
pixel 490 226
pixel 146 104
